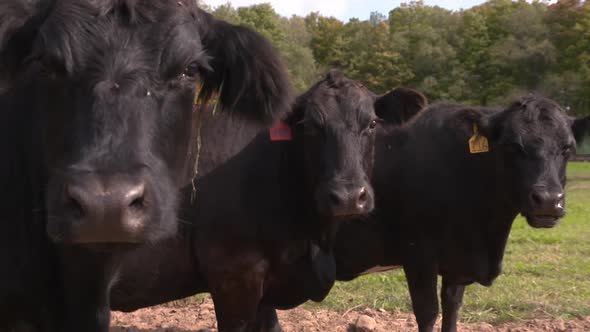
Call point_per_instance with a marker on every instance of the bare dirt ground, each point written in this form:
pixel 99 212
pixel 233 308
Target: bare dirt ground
pixel 201 318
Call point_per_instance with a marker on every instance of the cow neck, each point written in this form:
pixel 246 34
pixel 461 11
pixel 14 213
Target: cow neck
pixel 503 221
pixel 23 201
pixel 24 179
pixel 308 222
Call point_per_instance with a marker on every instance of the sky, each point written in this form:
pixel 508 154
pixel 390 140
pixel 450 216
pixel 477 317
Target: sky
pixel 342 9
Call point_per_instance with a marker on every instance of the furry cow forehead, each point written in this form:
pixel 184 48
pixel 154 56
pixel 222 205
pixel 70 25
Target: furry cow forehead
pixel 134 10
pixel 338 99
pixel 540 112
pixel 77 32
pixel 537 119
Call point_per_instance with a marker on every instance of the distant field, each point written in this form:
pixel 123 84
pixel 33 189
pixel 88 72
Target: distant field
pixel 546 272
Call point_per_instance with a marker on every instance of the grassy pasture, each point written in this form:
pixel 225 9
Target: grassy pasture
pixel 546 273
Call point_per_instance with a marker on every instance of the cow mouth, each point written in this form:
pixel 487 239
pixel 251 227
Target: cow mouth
pixel 542 221
pixel 108 248
pixel 347 216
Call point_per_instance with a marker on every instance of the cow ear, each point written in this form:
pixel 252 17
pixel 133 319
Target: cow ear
pixel 19 25
pixel 468 119
pixel 245 69
pixel 581 129
pixel 400 105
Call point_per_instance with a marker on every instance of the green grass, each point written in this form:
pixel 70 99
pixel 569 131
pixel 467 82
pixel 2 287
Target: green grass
pixel 546 273
pixel 578 170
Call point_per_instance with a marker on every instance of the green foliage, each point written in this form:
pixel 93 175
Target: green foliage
pixel 327 40
pixel 424 37
pixel 297 54
pixel 265 20
pixel 227 13
pixel 486 55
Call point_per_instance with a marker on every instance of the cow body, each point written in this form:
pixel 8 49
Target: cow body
pixel 442 210
pixel 97 98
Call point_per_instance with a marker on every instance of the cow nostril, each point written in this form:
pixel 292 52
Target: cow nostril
pixel 363 196
pixel 75 206
pixel 74 201
pixel 560 201
pixel 334 199
pixel 137 203
pixel 537 198
pixel 136 198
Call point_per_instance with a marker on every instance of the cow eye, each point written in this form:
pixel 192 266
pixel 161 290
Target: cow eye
pixel 309 127
pixel 310 130
pixel 51 68
pixel 192 70
pixel 516 148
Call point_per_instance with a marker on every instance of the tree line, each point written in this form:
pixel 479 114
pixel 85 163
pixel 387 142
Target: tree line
pixel 486 55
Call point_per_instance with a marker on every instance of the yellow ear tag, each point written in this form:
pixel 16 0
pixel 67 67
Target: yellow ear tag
pixel 478 143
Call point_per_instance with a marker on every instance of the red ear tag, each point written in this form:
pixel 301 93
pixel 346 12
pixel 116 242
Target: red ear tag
pixel 280 132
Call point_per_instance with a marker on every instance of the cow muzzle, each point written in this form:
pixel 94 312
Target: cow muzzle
pixel 546 208
pixel 92 209
pixel 345 201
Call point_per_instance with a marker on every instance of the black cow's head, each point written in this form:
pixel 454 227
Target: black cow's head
pixel 335 123
pixel 111 85
pixel 535 139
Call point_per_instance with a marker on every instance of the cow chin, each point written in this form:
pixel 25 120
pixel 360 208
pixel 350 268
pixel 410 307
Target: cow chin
pixel 542 221
pixel 107 248
pixel 111 235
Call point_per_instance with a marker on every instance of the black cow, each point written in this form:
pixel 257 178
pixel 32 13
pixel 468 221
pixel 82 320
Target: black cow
pixel 442 210
pixel 260 226
pixel 95 136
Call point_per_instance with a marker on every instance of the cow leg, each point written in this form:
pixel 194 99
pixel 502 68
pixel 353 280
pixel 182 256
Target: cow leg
pixel 236 305
pixel 86 276
pixel 266 321
pixel 452 298
pixel 422 285
pixel 236 282
pixel 23 327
